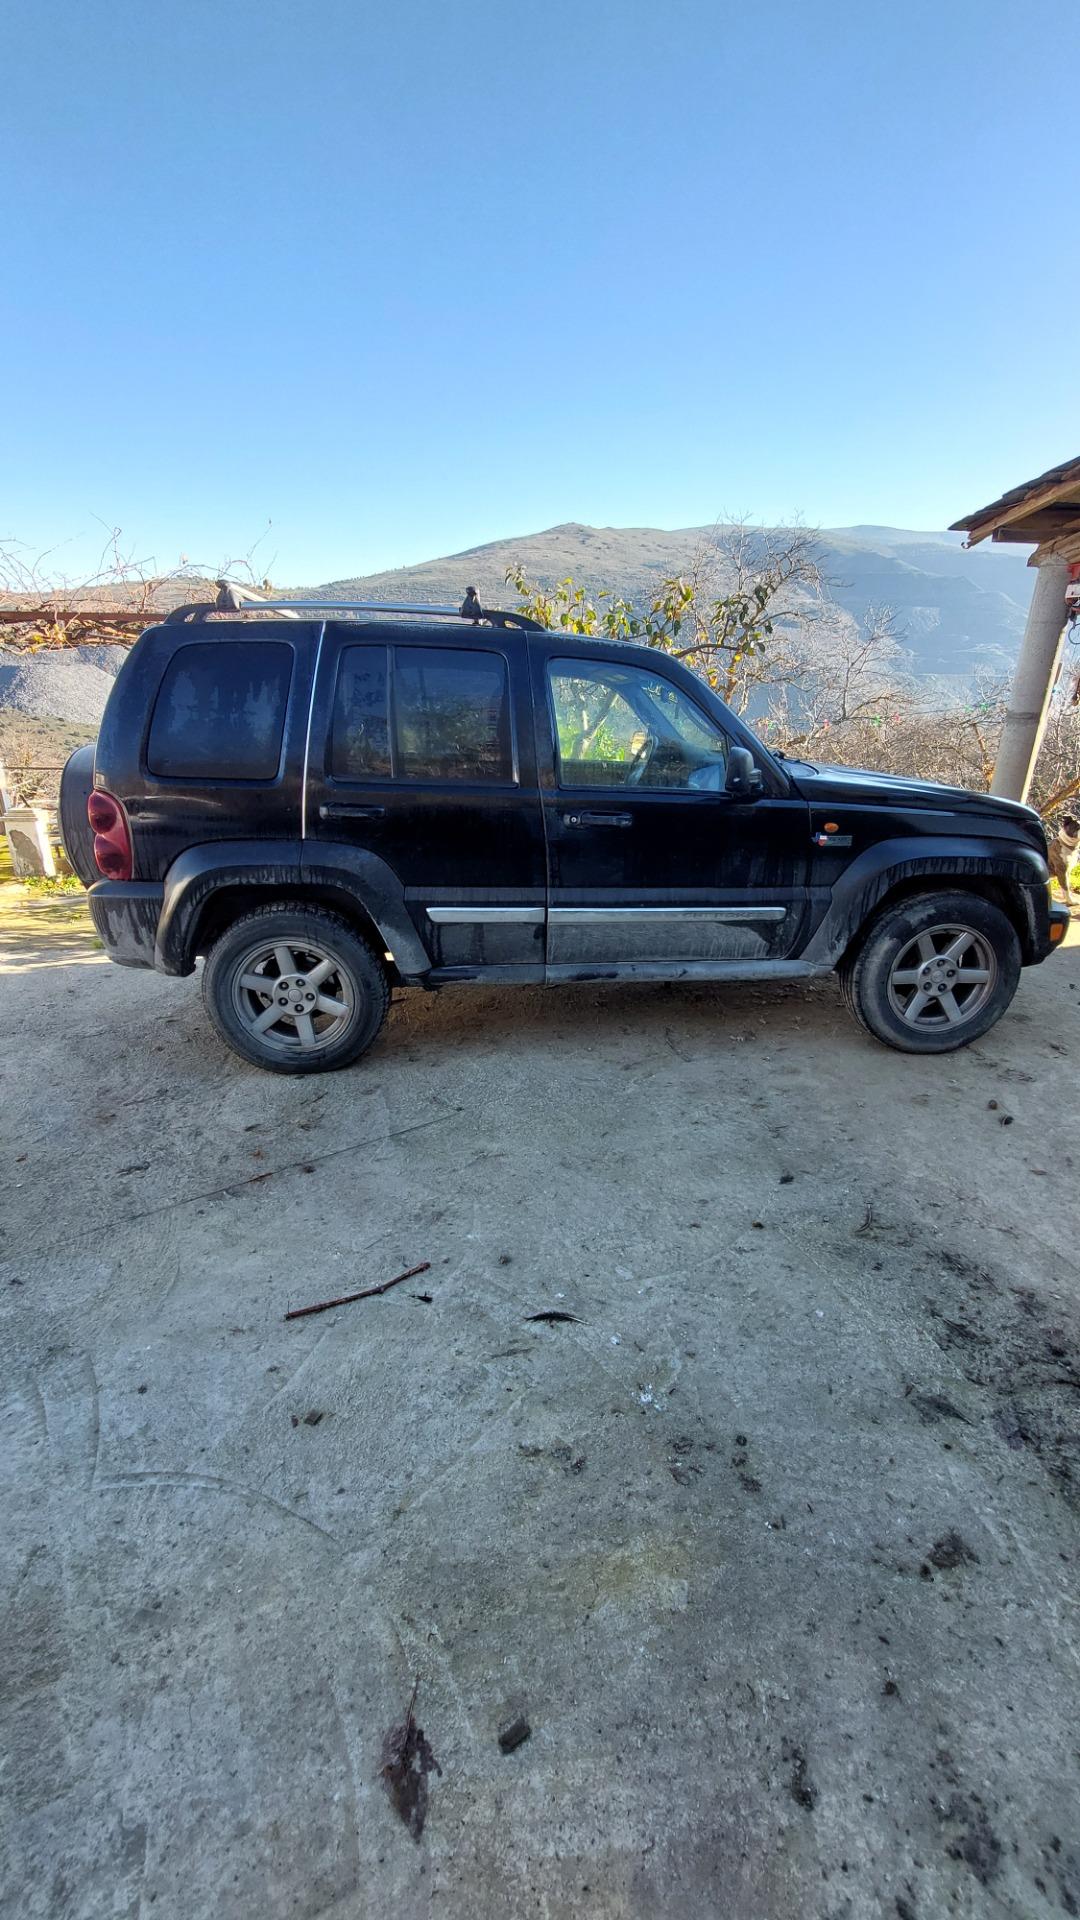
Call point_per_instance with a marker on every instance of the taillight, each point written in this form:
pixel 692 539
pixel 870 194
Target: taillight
pixel 112 840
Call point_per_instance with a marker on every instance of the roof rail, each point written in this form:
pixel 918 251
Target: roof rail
pixel 232 600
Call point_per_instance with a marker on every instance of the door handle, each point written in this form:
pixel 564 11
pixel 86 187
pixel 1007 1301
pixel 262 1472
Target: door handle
pixel 334 812
pixel 598 819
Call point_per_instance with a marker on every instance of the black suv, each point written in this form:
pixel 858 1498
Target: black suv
pixel 326 806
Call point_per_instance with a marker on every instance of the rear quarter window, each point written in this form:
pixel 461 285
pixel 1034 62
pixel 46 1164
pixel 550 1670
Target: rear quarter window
pixel 220 711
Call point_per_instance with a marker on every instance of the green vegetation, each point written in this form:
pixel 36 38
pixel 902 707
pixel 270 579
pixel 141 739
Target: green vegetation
pixel 44 884
pixel 718 634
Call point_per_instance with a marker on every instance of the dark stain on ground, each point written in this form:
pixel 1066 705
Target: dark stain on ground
pixel 740 1460
pixel 951 1333
pixel 563 1456
pixel 1009 1424
pixel 971 1837
pixel 800 1786
pixel 1062 1866
pixel 1027 1373
pixel 950 1551
pixel 681 1468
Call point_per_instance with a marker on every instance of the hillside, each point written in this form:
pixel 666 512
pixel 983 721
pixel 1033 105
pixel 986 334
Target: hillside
pixel 955 610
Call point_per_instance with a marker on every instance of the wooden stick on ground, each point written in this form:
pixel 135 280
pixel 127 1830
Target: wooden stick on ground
pixel 365 1293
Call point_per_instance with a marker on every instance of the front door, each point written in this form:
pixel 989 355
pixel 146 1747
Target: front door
pixel 653 867
pixel 422 752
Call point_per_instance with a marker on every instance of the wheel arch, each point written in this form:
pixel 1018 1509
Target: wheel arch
pixel 1013 901
pixel 209 887
pixel 1011 877
pixel 228 904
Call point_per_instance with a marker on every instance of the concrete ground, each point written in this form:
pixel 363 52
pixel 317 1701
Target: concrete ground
pixel 775 1543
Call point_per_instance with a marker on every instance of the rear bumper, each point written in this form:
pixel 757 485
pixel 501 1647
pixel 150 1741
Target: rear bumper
pixel 126 915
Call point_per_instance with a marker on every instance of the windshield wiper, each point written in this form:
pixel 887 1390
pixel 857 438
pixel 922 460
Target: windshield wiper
pixel 793 760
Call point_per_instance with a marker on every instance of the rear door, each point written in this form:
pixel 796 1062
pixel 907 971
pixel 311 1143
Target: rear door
pixel 652 864
pixel 422 752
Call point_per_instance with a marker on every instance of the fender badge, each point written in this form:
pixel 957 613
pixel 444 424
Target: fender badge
pixel 828 839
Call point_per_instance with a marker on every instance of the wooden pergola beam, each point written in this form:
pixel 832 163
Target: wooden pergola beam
pixel 1057 491
pixel 67 616
pixel 1045 523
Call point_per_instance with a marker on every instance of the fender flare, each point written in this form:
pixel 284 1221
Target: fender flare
pixel 285 865
pixel 368 879
pixel 874 873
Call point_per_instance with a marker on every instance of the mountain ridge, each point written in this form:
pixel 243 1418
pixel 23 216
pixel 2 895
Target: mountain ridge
pixel 957 610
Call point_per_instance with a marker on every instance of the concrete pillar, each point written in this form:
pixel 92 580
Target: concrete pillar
pixel 1034 680
pixel 27 830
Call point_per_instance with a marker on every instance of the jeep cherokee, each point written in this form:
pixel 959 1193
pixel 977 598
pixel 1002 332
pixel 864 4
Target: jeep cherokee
pixel 325 799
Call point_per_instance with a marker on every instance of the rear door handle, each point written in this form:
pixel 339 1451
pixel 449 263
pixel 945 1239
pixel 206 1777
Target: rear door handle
pixel 333 812
pixel 598 819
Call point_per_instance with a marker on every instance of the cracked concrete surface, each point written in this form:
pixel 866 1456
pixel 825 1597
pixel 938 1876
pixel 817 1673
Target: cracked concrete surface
pixel 826 1318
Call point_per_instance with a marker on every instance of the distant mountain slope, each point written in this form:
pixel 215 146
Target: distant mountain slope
pixel 955 610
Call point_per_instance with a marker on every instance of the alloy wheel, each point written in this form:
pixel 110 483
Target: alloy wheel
pixel 293 996
pixel 943 977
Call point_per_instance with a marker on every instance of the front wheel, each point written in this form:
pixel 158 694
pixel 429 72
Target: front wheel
pixel 934 972
pixel 295 990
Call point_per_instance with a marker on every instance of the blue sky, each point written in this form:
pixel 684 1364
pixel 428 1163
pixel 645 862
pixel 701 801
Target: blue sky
pixel 398 279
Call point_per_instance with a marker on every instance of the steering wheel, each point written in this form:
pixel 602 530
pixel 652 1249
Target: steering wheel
pixel 641 760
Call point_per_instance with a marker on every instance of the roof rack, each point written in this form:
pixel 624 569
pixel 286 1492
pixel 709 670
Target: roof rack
pixel 232 599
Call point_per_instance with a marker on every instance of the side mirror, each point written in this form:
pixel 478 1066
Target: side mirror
pixel 743 777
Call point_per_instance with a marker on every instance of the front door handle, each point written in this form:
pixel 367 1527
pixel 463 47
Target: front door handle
pixel 598 819
pixel 334 812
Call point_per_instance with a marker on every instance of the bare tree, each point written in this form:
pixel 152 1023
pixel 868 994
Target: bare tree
pixel 56 610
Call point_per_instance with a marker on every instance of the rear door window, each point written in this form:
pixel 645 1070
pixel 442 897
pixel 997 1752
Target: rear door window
pixel 452 715
pixel 422 713
pixel 220 711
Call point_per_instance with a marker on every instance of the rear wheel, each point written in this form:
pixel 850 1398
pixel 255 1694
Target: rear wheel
pixel 295 990
pixel 934 972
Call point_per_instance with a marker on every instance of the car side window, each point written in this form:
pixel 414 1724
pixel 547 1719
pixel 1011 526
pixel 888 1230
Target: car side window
pixel 421 713
pixel 622 726
pixel 220 711
pixel 451 715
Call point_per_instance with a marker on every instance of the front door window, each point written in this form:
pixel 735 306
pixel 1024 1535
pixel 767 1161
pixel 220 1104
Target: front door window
pixel 619 726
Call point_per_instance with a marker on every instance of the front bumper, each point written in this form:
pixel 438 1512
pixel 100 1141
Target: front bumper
pixel 126 915
pixel 1060 918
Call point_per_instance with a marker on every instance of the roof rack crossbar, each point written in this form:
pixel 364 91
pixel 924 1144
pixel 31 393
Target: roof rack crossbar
pixel 494 616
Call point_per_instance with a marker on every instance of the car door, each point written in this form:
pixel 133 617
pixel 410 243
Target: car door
pixel 653 866
pixel 422 753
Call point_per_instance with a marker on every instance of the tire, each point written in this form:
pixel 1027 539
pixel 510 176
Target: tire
pixel 76 833
pixel 908 982
pixel 282 1020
